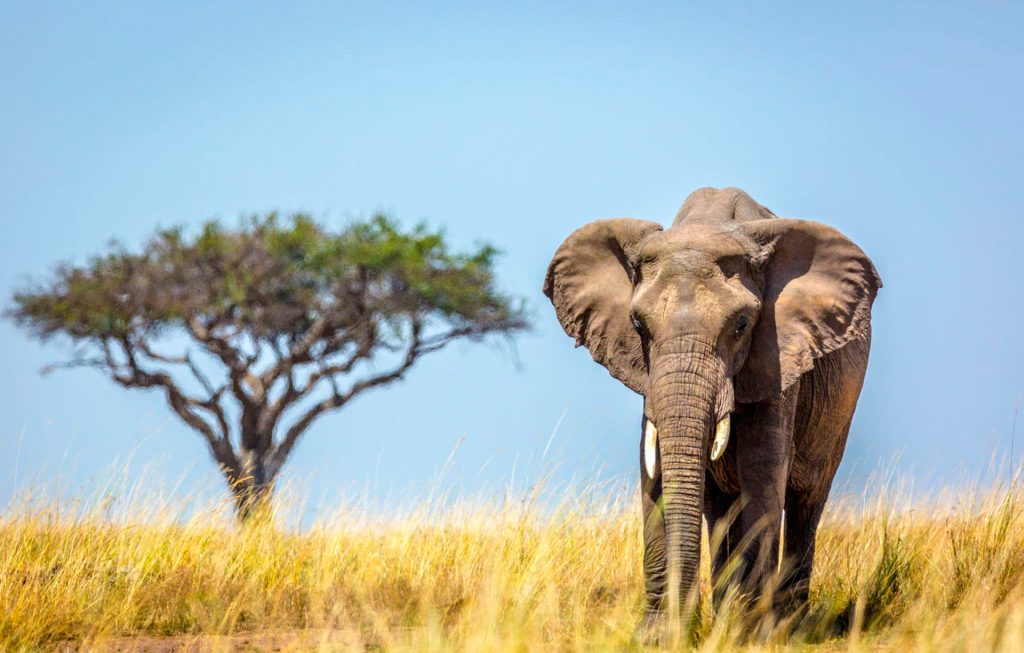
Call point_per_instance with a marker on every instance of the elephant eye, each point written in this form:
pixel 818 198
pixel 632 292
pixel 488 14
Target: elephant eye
pixel 637 275
pixel 741 325
pixel 638 325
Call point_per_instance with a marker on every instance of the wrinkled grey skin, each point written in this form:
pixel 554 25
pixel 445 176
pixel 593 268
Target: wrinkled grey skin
pixel 730 310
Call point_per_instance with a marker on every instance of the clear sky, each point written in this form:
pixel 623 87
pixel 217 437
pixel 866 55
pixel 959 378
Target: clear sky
pixel 900 125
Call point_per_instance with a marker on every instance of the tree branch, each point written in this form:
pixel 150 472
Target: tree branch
pixel 297 353
pixel 186 360
pixel 337 399
pixel 95 363
pixel 237 370
pixel 324 372
pixel 130 374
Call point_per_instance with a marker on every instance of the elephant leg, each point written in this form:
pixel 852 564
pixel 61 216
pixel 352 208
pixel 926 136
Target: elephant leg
pixel 763 453
pixel 827 403
pixel 653 508
pixel 803 513
pixel 722 512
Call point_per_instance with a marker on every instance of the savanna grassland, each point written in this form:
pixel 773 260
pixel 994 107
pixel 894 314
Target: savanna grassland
pixel 892 574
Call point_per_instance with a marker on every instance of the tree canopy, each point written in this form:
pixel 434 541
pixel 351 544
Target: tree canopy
pixel 283 320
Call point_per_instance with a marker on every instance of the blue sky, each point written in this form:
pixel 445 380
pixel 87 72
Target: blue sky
pixel 900 125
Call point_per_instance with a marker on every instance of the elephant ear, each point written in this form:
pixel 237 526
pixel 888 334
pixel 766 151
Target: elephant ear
pixel 589 281
pixel 818 291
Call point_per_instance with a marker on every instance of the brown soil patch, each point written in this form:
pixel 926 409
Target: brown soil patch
pixel 288 642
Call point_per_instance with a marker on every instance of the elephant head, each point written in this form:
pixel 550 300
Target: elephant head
pixel 730 304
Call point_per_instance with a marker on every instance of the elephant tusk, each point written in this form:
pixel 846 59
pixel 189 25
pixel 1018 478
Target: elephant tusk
pixel 721 438
pixel 650 447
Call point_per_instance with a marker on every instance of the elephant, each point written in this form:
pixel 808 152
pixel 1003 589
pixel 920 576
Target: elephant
pixel 748 337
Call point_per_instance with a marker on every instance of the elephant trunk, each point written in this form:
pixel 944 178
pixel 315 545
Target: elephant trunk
pixel 686 376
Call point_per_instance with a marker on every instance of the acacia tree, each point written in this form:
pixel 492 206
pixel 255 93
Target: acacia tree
pixel 255 332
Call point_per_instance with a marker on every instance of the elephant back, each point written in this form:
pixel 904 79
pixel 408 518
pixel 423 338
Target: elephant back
pixel 719 206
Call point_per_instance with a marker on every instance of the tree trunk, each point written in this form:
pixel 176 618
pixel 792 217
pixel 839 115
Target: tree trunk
pixel 250 499
pixel 252 484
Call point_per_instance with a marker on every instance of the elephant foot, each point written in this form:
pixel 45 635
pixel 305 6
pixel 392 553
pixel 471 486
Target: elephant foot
pixel 793 599
pixel 657 629
pixel 651 629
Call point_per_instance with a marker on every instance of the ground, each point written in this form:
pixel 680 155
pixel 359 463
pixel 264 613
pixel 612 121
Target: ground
pixel 893 573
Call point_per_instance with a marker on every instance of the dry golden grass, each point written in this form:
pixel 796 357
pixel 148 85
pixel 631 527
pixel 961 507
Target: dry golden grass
pixel 891 575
